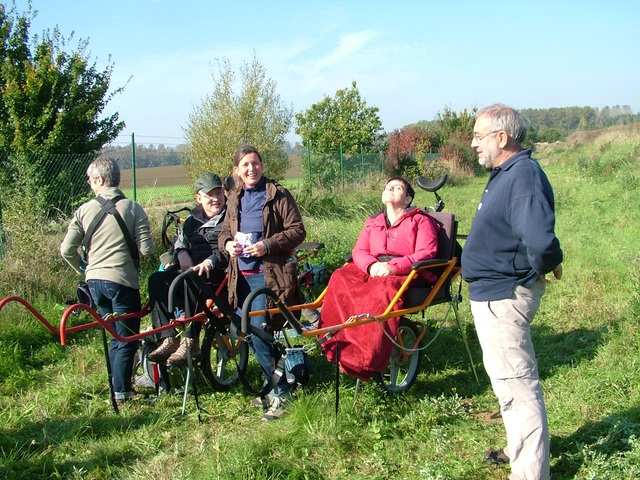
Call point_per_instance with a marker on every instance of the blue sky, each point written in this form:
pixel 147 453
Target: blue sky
pixel 411 59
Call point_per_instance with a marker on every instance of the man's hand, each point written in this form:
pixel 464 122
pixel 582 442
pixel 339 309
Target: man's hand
pixel 557 273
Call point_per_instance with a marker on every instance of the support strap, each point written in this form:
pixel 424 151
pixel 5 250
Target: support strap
pixel 109 207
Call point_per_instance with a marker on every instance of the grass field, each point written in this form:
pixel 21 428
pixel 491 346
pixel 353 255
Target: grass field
pixel 57 421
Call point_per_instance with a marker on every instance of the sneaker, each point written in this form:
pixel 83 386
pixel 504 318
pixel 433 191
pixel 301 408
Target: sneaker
pixel 311 317
pixel 496 457
pixel 128 397
pixel 143 381
pixel 179 357
pixel 276 409
pixel 164 351
pixel 258 403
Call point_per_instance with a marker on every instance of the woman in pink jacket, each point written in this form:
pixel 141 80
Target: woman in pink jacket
pixel 390 242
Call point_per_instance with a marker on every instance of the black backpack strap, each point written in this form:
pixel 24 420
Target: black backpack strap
pixel 109 207
pixel 95 223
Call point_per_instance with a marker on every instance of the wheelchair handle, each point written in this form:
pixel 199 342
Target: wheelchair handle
pixel 433 186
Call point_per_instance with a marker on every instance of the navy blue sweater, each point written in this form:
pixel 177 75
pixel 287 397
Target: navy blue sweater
pixel 251 222
pixel 512 237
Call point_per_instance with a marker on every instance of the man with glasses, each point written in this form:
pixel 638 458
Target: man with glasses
pixel 110 263
pixel 197 248
pixel 510 248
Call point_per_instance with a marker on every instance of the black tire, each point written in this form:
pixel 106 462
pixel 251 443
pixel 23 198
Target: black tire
pixel 143 369
pixel 403 370
pixel 251 374
pixel 145 372
pixel 222 357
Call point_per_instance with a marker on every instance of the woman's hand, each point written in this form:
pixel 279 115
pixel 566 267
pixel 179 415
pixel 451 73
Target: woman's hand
pixel 255 250
pixel 233 248
pixel 381 269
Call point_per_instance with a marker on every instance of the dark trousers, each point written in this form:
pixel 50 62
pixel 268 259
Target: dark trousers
pixel 111 297
pixel 159 285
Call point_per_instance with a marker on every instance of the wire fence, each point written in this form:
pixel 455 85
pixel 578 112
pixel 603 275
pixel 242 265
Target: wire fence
pixel 341 170
pixel 156 175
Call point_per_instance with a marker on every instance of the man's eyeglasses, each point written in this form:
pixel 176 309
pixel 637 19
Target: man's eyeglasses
pixel 391 188
pixel 478 138
pixel 91 179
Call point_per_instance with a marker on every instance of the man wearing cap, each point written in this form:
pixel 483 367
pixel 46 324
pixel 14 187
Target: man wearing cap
pixel 196 248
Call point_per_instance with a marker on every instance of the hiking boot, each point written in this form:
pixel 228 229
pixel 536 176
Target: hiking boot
pixel 166 348
pixel 276 409
pixel 179 357
pixel 496 457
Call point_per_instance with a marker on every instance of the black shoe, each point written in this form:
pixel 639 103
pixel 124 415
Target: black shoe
pixel 496 457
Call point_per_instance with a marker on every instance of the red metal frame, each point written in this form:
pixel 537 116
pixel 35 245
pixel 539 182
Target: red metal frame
pixel 105 323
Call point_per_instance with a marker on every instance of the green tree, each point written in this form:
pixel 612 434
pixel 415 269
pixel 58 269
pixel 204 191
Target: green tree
pixel 226 119
pixel 50 104
pixel 343 120
pixel 450 124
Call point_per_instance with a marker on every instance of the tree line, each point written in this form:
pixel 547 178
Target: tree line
pixel 54 96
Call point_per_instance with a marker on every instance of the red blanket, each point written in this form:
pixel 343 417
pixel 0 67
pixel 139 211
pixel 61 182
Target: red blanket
pixel 364 349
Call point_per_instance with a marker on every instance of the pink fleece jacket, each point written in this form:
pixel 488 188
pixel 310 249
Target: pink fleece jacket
pixel 412 238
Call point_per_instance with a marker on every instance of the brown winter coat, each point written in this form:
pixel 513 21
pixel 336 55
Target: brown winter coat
pixel 283 230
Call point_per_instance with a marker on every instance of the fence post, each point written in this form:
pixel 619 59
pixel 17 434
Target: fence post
pixel 309 163
pixel 342 167
pixel 133 166
pixel 362 161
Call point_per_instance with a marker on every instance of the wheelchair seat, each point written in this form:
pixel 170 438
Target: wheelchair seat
pixel 447 249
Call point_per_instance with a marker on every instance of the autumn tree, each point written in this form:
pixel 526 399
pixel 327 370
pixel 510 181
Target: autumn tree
pixel 340 121
pixel 226 119
pixel 407 149
pixel 50 104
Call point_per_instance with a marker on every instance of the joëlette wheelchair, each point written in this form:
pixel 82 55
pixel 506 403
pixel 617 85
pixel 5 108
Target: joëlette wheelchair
pixel 408 344
pixel 224 351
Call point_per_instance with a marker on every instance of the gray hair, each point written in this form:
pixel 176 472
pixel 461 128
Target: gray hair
pixel 107 168
pixel 507 119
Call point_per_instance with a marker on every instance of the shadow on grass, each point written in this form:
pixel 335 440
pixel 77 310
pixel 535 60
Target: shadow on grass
pixel 45 449
pixel 608 437
pixel 556 350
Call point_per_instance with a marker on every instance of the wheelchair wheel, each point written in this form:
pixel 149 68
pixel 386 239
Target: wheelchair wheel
pixel 251 373
pixel 143 369
pixel 145 372
pixel 403 366
pixel 223 355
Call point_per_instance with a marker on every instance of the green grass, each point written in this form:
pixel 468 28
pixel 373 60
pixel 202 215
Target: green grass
pixel 57 422
pixel 161 195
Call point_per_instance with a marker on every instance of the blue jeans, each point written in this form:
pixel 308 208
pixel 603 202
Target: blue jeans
pixel 266 355
pixel 111 297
